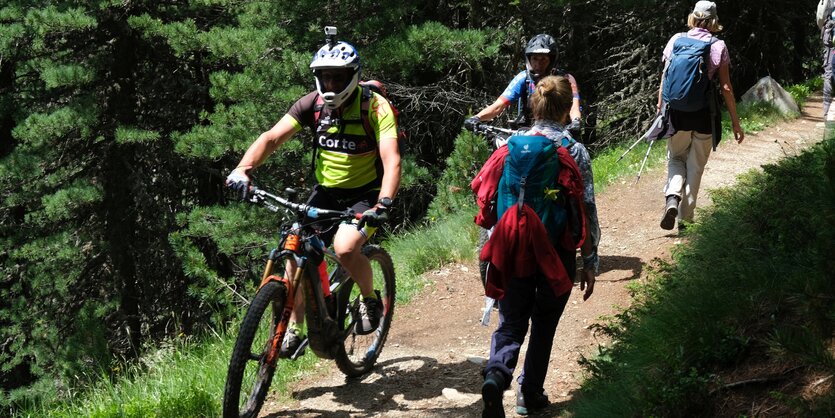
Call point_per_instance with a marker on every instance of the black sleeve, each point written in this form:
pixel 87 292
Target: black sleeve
pixel 304 108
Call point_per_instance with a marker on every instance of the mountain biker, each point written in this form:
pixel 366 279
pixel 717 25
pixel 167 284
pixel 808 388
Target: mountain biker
pixel 690 145
pixel 535 299
pixel 540 61
pixel 352 169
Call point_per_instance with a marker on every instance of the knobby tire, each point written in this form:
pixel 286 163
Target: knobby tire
pixel 358 353
pixel 273 294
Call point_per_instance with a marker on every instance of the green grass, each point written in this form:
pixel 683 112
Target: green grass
pixel 608 170
pixel 180 379
pixel 800 92
pixel 187 378
pixel 420 250
pixel 765 293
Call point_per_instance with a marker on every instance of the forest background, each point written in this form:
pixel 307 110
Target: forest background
pixel 120 119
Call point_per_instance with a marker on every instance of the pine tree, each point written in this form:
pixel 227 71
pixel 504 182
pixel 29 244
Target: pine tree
pixel 91 183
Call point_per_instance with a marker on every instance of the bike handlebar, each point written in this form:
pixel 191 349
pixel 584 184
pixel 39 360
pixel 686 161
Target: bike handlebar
pixel 263 197
pixel 497 136
pixel 483 128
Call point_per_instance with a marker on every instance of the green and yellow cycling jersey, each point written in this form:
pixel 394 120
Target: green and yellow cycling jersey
pixel 346 157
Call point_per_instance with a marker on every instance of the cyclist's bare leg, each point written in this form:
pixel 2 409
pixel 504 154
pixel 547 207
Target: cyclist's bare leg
pixel 347 244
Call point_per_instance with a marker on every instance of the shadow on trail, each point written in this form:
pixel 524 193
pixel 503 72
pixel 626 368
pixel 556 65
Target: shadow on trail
pixel 618 263
pixel 408 378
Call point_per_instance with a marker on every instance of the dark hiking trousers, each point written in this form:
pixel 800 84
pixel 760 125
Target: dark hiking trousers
pixel 526 299
pixel 827 80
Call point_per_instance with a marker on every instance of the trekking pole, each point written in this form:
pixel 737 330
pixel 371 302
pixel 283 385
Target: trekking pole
pixel 629 149
pixel 645 160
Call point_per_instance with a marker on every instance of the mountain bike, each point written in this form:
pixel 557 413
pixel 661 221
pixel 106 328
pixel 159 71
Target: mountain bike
pixel 298 263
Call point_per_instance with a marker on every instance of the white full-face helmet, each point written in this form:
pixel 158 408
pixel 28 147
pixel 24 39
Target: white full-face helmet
pixel 336 56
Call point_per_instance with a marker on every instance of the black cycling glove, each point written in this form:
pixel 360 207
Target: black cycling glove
pixel 471 123
pixel 375 216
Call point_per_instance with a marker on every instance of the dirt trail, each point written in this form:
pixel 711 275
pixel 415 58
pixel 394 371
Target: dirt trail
pixel 431 364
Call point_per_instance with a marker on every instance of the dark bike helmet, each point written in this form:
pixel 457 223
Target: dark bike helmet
pixel 541 44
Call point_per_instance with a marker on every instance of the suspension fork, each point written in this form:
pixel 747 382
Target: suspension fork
pixel 289 303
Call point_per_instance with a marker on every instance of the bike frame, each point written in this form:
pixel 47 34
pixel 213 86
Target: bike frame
pixel 300 248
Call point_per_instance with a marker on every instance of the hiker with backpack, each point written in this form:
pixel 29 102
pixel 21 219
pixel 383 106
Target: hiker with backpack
pixel 826 24
pixel 540 61
pixel 693 60
pixel 532 192
pixel 353 167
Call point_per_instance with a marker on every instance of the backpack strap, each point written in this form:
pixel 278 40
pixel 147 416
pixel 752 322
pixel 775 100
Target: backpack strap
pixel 365 105
pixel 523 118
pixel 566 141
pixel 713 99
pixel 317 112
pixel 521 200
pixel 706 59
pixel 712 41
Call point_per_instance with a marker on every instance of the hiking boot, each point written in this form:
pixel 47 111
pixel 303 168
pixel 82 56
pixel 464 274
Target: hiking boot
pixel 528 403
pixel 291 344
pixel 682 227
pixel 371 310
pixel 491 394
pixel 670 213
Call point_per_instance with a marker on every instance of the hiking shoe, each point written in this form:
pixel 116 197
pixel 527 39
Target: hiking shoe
pixel 670 213
pixel 682 227
pixel 491 394
pixel 371 310
pixel 291 344
pixel 528 403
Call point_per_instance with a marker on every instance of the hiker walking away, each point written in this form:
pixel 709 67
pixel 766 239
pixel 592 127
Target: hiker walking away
pixel 353 168
pixel 693 108
pixel 826 23
pixel 540 60
pixel 539 223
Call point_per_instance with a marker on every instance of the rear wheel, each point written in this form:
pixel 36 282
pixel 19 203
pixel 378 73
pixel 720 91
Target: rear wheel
pixel 358 353
pixel 249 376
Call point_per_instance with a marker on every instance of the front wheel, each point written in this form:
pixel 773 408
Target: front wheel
pixel 357 353
pixel 249 376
